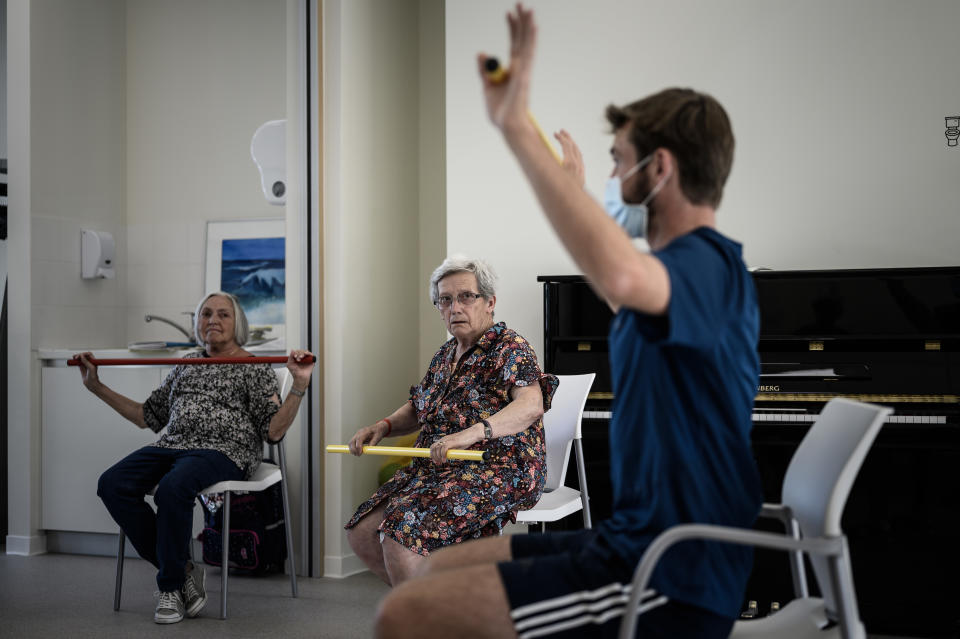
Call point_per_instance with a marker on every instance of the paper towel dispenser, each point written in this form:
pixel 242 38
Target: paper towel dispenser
pixel 97 254
pixel 269 151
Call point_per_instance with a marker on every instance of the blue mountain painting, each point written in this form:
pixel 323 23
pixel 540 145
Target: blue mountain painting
pixel 254 270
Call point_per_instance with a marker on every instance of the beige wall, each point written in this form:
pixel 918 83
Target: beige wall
pixel 383 222
pixel 433 174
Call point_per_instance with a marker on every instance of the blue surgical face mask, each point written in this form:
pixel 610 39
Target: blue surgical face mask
pixel 631 217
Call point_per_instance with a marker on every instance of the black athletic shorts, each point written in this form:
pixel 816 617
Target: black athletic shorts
pixel 568 585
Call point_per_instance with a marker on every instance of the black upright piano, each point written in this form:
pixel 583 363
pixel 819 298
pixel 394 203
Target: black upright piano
pixel 887 336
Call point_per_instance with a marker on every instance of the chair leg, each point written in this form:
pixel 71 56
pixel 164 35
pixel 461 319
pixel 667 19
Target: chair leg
pixel 582 476
pixel 224 561
pixel 797 570
pixel 288 523
pixel 841 576
pixel 118 584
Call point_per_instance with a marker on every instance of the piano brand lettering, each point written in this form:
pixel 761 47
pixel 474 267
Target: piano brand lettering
pixel 774 388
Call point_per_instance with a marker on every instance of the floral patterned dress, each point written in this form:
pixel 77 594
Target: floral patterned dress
pixel 430 506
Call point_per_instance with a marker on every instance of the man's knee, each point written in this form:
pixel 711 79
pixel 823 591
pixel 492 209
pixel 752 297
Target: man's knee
pixel 440 559
pixel 468 553
pixel 397 614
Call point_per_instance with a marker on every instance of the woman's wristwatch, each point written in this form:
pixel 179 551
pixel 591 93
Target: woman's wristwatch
pixel 487 429
pixel 298 393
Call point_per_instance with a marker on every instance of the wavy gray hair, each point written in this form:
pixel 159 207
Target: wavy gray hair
pixel 486 278
pixel 241 329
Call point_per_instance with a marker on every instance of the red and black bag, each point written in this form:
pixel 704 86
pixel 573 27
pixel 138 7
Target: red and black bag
pixel 257 533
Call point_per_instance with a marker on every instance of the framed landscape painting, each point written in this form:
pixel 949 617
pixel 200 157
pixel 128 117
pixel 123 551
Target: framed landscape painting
pixel 247 258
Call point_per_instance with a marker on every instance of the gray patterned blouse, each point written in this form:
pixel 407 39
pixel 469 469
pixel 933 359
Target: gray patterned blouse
pixel 226 407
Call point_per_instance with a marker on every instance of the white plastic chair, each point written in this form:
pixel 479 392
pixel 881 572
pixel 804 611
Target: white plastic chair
pixel 266 475
pixel 561 425
pixel 815 490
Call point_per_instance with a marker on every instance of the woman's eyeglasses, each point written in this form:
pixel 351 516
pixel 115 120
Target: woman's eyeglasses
pixel 465 298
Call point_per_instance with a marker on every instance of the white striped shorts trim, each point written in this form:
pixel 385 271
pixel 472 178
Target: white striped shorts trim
pixel 598 606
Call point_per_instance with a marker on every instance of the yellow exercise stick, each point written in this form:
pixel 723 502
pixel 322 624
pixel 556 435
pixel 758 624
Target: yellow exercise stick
pixel 498 74
pixel 453 453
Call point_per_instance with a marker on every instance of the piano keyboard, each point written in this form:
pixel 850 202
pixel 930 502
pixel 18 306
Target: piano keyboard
pixel 797 418
pixel 597 414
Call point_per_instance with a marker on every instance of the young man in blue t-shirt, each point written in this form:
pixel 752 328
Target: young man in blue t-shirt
pixel 685 369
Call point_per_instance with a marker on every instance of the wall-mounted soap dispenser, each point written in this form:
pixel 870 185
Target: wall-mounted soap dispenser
pixel 97 254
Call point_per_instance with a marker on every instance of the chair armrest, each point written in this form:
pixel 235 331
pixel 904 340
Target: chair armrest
pixel 684 532
pixel 775 511
pixel 783 514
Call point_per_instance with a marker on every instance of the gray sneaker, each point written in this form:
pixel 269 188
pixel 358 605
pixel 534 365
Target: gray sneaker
pixel 194 595
pixel 169 607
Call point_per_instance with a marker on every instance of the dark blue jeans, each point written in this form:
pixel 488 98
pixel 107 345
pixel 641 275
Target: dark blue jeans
pixel 162 537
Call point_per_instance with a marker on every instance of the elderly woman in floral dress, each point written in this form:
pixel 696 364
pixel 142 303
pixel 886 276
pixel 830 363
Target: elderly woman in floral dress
pixel 483 390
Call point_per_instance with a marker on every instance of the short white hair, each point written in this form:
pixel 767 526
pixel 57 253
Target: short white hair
pixel 241 329
pixel 486 278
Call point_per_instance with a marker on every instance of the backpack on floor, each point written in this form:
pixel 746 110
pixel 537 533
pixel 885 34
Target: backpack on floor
pixel 257 533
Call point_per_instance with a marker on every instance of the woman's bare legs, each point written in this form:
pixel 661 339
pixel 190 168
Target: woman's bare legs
pixel 402 563
pixel 364 538
pixel 389 560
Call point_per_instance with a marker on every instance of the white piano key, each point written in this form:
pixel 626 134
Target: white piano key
pixel 796 418
pixel 597 414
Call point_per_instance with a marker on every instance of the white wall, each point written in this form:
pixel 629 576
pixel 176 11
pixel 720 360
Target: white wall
pixel 3 78
pixel 77 166
pixel 143 114
pixel 200 78
pixel 65 106
pixel 838 109
pixel 23 409
pixel 3 119
pixel 135 118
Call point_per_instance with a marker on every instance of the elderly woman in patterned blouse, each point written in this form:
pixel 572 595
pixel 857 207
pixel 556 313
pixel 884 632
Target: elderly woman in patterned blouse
pixel 483 390
pixel 217 418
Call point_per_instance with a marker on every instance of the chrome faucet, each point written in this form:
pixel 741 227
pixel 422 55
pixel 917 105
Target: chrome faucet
pixel 189 336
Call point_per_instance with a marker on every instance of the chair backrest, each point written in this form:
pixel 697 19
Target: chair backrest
pixel 285 380
pixel 823 469
pixel 561 424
